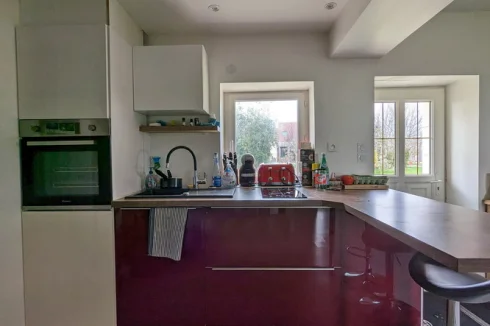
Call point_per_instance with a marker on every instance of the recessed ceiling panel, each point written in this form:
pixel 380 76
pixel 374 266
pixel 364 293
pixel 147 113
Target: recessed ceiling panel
pixel 234 16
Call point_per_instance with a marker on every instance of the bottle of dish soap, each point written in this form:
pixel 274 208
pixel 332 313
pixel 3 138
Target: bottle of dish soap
pixel 228 180
pixel 150 182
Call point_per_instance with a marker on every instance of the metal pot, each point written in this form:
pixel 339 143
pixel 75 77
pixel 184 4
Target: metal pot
pixel 175 183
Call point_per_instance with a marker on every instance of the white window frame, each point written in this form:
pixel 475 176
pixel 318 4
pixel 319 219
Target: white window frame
pixel 229 111
pixel 434 95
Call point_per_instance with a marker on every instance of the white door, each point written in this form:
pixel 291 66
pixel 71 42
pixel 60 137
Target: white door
pixel 409 139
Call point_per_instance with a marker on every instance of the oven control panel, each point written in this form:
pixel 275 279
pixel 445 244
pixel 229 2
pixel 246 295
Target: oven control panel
pixel 50 128
pixel 64 128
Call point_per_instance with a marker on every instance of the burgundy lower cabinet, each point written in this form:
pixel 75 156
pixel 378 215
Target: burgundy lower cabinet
pixel 264 267
pixel 258 237
pixel 266 298
pixel 158 291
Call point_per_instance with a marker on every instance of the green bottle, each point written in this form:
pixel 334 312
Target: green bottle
pixel 324 169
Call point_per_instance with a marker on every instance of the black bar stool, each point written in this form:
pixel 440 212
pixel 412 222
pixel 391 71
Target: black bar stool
pixel 453 286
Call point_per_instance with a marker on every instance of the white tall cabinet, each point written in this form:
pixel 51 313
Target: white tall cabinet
pixel 69 272
pixel 63 72
pixel 171 79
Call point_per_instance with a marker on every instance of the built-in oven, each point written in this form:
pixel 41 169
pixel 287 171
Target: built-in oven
pixel 66 164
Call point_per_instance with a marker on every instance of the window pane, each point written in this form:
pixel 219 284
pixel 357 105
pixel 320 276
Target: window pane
pixel 411 120
pixel 389 157
pixel 424 119
pixel 268 130
pixel 378 156
pixel 410 157
pixel 378 120
pixel 389 120
pixel 424 156
pixel 384 157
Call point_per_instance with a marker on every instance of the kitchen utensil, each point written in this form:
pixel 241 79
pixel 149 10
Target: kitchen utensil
pixel 276 174
pixel 171 183
pixel 225 160
pixel 174 183
pixel 161 174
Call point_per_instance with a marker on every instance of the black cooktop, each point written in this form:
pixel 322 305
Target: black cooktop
pixel 281 192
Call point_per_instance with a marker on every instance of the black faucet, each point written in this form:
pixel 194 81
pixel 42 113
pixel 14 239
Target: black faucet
pixel 195 179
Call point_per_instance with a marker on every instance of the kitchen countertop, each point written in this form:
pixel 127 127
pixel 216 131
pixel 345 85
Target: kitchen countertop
pixel 452 235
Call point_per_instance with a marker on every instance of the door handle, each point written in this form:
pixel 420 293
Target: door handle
pixel 60 142
pixel 436 181
pixel 273 268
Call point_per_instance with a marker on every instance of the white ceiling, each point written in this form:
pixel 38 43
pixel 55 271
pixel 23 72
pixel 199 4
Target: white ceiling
pixel 469 5
pixel 235 16
pixel 417 81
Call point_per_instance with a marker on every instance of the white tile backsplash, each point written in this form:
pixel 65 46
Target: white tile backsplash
pixel 181 165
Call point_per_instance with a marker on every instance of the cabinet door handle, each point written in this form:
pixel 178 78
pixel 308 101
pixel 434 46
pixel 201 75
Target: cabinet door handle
pixel 273 268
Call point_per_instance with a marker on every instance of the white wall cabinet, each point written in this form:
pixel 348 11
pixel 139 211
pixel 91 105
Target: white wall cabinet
pixel 69 268
pixel 62 72
pixel 171 79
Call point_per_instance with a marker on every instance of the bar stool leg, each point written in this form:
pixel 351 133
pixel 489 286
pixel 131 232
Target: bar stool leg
pixel 453 313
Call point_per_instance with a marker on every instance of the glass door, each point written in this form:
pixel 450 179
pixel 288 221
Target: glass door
pixel 66 171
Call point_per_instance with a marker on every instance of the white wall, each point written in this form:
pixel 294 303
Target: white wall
pixel 450 44
pixel 129 160
pixel 123 24
pixel 11 271
pixel 181 164
pixel 462 137
pixel 344 90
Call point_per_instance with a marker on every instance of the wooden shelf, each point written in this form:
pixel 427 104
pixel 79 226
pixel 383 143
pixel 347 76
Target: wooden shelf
pixel 179 129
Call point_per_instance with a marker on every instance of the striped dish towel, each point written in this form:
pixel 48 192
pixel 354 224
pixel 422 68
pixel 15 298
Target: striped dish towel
pixel 166 232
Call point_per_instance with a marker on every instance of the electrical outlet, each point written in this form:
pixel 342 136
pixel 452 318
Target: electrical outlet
pixel 331 147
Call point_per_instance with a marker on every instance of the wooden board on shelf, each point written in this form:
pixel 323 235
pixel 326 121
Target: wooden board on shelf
pixel 366 187
pixel 179 129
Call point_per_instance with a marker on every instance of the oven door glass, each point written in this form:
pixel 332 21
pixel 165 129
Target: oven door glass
pixel 66 171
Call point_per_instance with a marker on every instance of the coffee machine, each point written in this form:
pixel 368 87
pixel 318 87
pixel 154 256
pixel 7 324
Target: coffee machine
pixel 247 171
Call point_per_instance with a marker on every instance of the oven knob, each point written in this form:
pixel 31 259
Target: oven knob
pixel 36 128
pixel 92 127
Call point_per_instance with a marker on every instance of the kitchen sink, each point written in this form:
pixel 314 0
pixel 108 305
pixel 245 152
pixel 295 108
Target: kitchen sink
pixel 187 193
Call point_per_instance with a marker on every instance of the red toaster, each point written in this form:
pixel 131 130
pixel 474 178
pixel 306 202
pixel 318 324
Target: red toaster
pixel 276 174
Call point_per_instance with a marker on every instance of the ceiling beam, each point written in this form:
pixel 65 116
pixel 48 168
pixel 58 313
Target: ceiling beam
pixel 372 28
